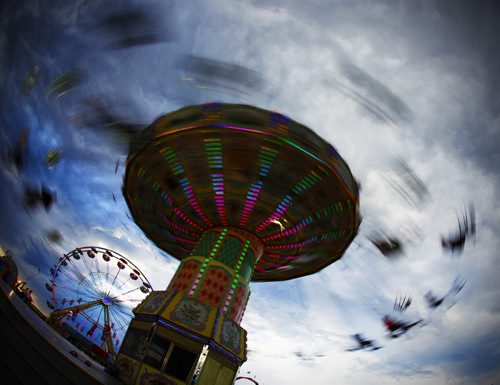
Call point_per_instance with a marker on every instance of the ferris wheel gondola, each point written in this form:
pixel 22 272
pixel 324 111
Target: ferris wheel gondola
pixel 96 289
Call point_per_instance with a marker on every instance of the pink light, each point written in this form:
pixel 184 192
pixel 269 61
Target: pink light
pixel 185 240
pixel 179 213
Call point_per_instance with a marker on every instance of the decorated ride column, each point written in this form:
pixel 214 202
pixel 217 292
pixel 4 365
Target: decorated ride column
pixel 203 306
pixel 219 269
pixel 236 193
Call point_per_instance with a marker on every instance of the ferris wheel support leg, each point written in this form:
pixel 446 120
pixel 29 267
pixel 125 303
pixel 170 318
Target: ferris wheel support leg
pixel 109 338
pixel 63 312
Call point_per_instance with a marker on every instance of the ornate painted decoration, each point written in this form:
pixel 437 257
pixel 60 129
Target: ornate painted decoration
pixel 191 313
pixel 127 368
pixel 153 302
pixel 230 335
pixel 154 378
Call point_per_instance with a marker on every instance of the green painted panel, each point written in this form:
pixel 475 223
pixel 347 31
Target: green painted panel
pixel 247 266
pixel 205 244
pixel 230 251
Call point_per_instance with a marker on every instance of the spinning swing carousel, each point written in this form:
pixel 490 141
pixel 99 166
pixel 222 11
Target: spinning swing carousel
pixel 237 194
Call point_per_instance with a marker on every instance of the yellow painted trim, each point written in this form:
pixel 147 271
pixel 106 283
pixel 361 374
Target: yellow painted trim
pixel 146 369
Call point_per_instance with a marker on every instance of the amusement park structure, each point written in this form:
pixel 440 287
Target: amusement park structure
pixel 237 194
pixel 93 291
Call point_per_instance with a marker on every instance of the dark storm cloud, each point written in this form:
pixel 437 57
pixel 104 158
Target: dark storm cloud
pixel 469 35
pixel 473 29
pixel 468 358
pixel 461 36
pixel 378 96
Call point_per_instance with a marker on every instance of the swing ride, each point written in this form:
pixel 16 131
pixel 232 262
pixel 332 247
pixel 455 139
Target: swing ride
pixel 236 193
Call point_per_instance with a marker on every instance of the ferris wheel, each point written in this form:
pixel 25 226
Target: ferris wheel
pixel 93 290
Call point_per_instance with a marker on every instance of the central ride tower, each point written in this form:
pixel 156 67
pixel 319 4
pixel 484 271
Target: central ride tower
pixel 236 193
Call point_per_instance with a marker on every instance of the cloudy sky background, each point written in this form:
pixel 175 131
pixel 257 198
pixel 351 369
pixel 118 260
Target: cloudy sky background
pixel 381 81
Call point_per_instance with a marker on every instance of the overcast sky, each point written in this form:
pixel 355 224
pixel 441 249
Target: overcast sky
pixel 383 81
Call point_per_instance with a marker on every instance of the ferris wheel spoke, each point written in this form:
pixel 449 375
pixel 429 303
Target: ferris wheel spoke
pixel 89 271
pixel 122 320
pixel 88 318
pixel 67 275
pixel 99 282
pixel 119 327
pixel 123 310
pixel 116 276
pixel 128 305
pixel 91 275
pixel 127 311
pixel 128 280
pixel 83 277
pixel 89 279
pixel 101 273
pixel 72 290
pixel 136 300
pixel 88 290
pixel 85 292
pixel 99 316
pixel 117 320
pixel 127 292
pixel 97 266
pixel 117 316
pixel 107 271
pixel 76 269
